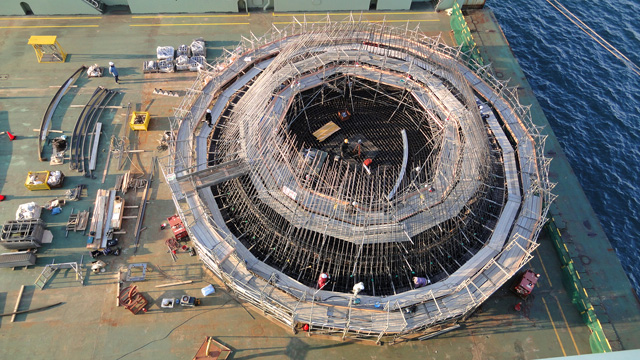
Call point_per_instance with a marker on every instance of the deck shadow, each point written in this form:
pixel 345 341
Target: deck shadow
pixel 190 271
pixel 6 148
pixel 295 349
pixel 3 304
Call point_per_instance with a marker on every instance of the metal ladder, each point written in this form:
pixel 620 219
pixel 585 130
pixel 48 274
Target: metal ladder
pixel 50 269
pixel 45 275
pixel 96 4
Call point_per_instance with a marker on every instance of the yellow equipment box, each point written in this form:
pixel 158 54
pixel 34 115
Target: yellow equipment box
pixel 139 120
pixel 47 49
pixel 37 180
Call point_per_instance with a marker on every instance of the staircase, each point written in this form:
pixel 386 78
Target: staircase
pixel 96 4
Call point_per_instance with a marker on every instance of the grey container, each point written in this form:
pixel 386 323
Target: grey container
pixel 15 259
pixel 22 234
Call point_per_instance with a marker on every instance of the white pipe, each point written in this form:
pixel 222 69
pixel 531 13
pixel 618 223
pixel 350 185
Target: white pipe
pixel 405 158
pixel 266 6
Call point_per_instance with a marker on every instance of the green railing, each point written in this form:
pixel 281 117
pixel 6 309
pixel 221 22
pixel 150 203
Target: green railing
pixel 578 294
pixel 463 37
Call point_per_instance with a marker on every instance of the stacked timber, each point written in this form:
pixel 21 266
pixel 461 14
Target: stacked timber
pixel 99 230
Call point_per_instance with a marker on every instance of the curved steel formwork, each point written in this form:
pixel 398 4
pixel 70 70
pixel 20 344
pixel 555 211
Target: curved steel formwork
pixel 456 192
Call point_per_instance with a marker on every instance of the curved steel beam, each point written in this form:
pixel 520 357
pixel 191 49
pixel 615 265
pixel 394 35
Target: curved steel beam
pixel 46 119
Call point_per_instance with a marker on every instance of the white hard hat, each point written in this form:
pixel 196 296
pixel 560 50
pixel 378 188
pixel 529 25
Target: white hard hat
pixel 110 63
pixel 209 111
pixel 324 276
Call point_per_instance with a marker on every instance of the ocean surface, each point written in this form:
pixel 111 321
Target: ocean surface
pixel 592 101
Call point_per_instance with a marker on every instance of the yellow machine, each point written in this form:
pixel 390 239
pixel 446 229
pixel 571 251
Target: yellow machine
pixel 47 49
pixel 139 120
pixel 37 180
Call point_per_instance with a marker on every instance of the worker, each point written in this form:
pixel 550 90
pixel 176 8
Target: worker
pixel 358 149
pixel 357 288
pixel 323 280
pixel 344 150
pixel 113 71
pixel 352 207
pixel 420 281
pixel 207 118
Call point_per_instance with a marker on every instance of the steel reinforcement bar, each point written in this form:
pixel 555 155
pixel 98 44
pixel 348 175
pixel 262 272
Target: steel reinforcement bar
pixel 81 127
pixel 103 99
pixel 107 99
pixel 48 114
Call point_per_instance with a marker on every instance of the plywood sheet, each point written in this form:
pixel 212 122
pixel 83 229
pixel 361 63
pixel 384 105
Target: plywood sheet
pixel 327 130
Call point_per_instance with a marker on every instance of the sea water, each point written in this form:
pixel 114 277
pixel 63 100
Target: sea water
pixel 592 101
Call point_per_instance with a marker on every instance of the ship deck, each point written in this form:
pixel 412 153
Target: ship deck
pixel 88 324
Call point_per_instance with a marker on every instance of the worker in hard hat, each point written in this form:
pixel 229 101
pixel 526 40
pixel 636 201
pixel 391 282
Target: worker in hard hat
pixel 207 118
pixel 113 71
pixel 323 280
pixel 344 150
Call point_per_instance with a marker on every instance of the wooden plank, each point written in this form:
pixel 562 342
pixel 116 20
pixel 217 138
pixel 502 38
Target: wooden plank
pixel 53 131
pixel 83 218
pixel 15 309
pixel 326 130
pixel 175 283
pixel 501 230
pixel 118 287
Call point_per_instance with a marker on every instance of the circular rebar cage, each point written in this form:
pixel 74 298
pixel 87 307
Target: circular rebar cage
pixel 370 154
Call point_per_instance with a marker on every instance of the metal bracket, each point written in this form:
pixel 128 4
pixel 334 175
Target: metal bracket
pixel 137 278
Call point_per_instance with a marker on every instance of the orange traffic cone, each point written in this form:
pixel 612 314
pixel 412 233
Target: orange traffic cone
pixel 11 136
pixel 1 197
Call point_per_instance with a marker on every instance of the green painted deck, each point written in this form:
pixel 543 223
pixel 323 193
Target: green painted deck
pixel 89 325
